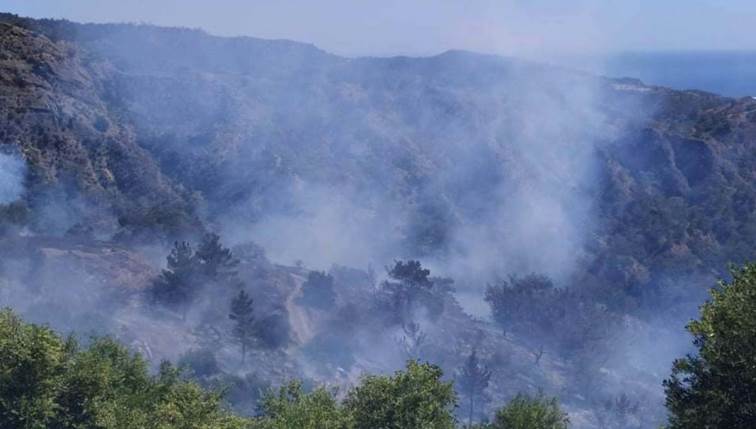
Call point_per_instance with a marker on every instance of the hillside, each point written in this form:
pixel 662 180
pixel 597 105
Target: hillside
pixel 56 115
pixel 632 198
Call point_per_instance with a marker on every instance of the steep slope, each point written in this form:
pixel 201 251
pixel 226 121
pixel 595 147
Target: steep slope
pixel 56 113
pixel 480 162
pixel 448 157
pixel 634 197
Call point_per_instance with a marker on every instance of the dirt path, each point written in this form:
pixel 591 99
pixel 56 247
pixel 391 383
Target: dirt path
pixel 301 325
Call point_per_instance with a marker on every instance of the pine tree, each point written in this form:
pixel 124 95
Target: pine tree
pixel 410 287
pixel 174 287
pixel 244 323
pixel 216 262
pixel 472 380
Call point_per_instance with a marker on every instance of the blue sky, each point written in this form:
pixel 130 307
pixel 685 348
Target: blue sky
pixel 514 27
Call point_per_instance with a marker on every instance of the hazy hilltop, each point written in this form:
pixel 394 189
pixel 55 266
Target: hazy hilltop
pixel 632 197
pixel 423 151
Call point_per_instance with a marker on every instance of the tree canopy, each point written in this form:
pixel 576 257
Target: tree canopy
pixel 49 382
pixel 714 388
pixel 527 412
pixel 244 330
pixel 410 289
pixel 415 398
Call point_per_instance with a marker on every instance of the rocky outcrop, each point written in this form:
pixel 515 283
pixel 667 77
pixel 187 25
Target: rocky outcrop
pixel 56 114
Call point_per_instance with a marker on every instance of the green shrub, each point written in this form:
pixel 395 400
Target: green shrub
pixel 415 398
pixel 48 382
pixel 525 412
pixel 291 407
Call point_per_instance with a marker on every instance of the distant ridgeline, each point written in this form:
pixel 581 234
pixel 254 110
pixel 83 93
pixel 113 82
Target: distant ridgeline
pixel 730 73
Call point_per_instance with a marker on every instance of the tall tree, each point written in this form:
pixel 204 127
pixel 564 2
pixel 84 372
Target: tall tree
pixel 472 381
pixel 216 262
pixel 411 287
pixel 715 387
pixel 174 287
pixel 244 330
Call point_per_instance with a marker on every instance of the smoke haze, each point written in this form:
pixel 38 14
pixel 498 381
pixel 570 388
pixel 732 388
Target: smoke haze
pixel 512 27
pixel 485 168
pixel 12 175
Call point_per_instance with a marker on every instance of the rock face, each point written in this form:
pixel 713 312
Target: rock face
pixel 56 114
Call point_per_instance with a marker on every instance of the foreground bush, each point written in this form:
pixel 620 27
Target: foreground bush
pixel 291 407
pixel 412 399
pixel 716 388
pixel 48 382
pixel 415 398
pixel 525 412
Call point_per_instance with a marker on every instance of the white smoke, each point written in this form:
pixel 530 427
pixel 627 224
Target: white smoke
pixel 12 173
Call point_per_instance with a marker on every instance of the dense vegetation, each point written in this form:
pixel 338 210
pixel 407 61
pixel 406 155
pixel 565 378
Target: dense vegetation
pixel 47 381
pixel 715 387
pixel 568 320
pixel 50 382
pixel 525 412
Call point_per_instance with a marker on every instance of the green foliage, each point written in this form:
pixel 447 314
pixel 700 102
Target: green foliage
pixel 415 398
pixel 318 291
pixel 410 289
pixel 525 412
pixel 410 273
pixel 215 261
pixel 564 319
pixel 49 382
pixel 32 362
pixel 244 330
pixel 243 393
pixel 46 382
pixel 174 287
pixel 189 271
pixel 715 388
pixel 525 304
pixel 290 407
